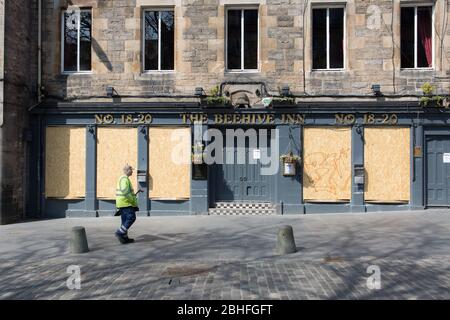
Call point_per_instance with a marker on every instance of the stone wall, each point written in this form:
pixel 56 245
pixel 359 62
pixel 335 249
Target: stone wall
pixel 372 49
pixel 20 57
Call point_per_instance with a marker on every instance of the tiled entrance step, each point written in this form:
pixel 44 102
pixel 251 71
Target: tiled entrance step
pixel 243 208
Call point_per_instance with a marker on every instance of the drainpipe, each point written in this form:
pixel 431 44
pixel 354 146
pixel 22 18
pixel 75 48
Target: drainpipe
pixel 2 60
pixel 39 99
pixel 39 78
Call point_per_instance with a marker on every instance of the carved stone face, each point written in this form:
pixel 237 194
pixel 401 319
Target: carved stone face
pixel 245 95
pixel 240 99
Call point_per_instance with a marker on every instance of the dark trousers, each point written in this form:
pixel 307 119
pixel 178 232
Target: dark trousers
pixel 128 216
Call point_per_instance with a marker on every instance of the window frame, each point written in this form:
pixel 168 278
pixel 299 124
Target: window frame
pixel 63 22
pixel 344 40
pixel 242 9
pixel 158 71
pixel 415 6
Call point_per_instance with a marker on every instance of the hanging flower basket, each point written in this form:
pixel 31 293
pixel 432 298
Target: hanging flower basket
pixel 197 154
pixel 290 163
pixel 197 158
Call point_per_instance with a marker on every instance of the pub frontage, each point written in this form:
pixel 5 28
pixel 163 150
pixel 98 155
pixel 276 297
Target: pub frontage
pixel 349 157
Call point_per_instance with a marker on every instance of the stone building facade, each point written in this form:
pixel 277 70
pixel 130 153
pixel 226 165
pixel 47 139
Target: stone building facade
pixel 18 93
pixel 372 45
pixel 365 108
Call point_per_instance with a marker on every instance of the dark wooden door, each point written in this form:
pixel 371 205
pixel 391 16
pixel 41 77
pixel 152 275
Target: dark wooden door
pixel 239 181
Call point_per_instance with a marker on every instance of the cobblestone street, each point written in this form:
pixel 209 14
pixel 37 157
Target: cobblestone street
pixel 202 258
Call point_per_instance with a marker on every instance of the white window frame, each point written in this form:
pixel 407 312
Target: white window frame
pixel 159 9
pixel 415 6
pixel 242 70
pixel 344 62
pixel 63 26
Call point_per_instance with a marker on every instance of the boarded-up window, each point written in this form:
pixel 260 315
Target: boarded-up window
pixel 387 162
pixel 327 164
pixel 65 162
pixel 115 148
pixel 170 164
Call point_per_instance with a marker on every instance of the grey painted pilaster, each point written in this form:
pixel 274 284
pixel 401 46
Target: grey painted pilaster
pixel 199 191
pixel 143 145
pixel 357 202
pixel 91 172
pixel 417 173
pixel 289 188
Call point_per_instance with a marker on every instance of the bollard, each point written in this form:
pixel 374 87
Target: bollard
pixel 285 241
pixel 78 240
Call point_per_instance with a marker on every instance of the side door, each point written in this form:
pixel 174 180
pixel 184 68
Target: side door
pixel 438 170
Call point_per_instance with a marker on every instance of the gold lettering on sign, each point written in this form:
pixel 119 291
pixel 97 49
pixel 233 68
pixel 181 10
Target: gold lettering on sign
pixel 246 118
pixel 293 118
pixel 385 118
pixel 218 118
pixel 345 119
pixel 104 119
pixel 228 119
pixel 98 119
pixel 198 117
pixel 141 118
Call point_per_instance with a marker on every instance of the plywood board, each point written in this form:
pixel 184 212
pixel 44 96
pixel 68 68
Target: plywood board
pixel 170 163
pixel 327 164
pixel 65 162
pixel 387 161
pixel 115 148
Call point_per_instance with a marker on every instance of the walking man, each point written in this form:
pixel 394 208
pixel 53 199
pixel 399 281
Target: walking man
pixel 126 203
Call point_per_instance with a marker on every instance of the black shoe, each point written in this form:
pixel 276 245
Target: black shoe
pixel 121 237
pixel 129 240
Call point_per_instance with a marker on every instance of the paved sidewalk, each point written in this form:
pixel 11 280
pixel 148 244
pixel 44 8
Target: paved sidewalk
pixel 226 257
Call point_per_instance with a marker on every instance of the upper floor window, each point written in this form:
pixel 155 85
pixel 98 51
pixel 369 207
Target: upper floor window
pixel 328 38
pixel 159 35
pixel 416 37
pixel 76 40
pixel 242 39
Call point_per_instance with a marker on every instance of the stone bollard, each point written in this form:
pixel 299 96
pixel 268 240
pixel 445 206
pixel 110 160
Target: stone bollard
pixel 78 240
pixel 285 241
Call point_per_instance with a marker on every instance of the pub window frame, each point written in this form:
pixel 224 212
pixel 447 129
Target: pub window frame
pixel 433 46
pixel 344 37
pixel 242 69
pixel 63 26
pixel 159 70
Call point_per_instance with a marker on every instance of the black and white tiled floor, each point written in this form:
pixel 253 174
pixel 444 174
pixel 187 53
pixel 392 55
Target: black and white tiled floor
pixel 243 208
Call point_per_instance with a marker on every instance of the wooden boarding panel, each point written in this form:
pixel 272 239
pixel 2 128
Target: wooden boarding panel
pixel 387 159
pixel 170 163
pixel 65 162
pixel 115 148
pixel 327 164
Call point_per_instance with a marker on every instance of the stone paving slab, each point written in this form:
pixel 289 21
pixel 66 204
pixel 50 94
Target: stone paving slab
pixel 202 258
pixel 264 279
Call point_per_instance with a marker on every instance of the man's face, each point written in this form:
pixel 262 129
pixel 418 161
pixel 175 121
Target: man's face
pixel 130 172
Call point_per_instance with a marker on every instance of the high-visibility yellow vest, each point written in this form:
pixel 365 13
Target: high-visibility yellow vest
pixel 125 196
